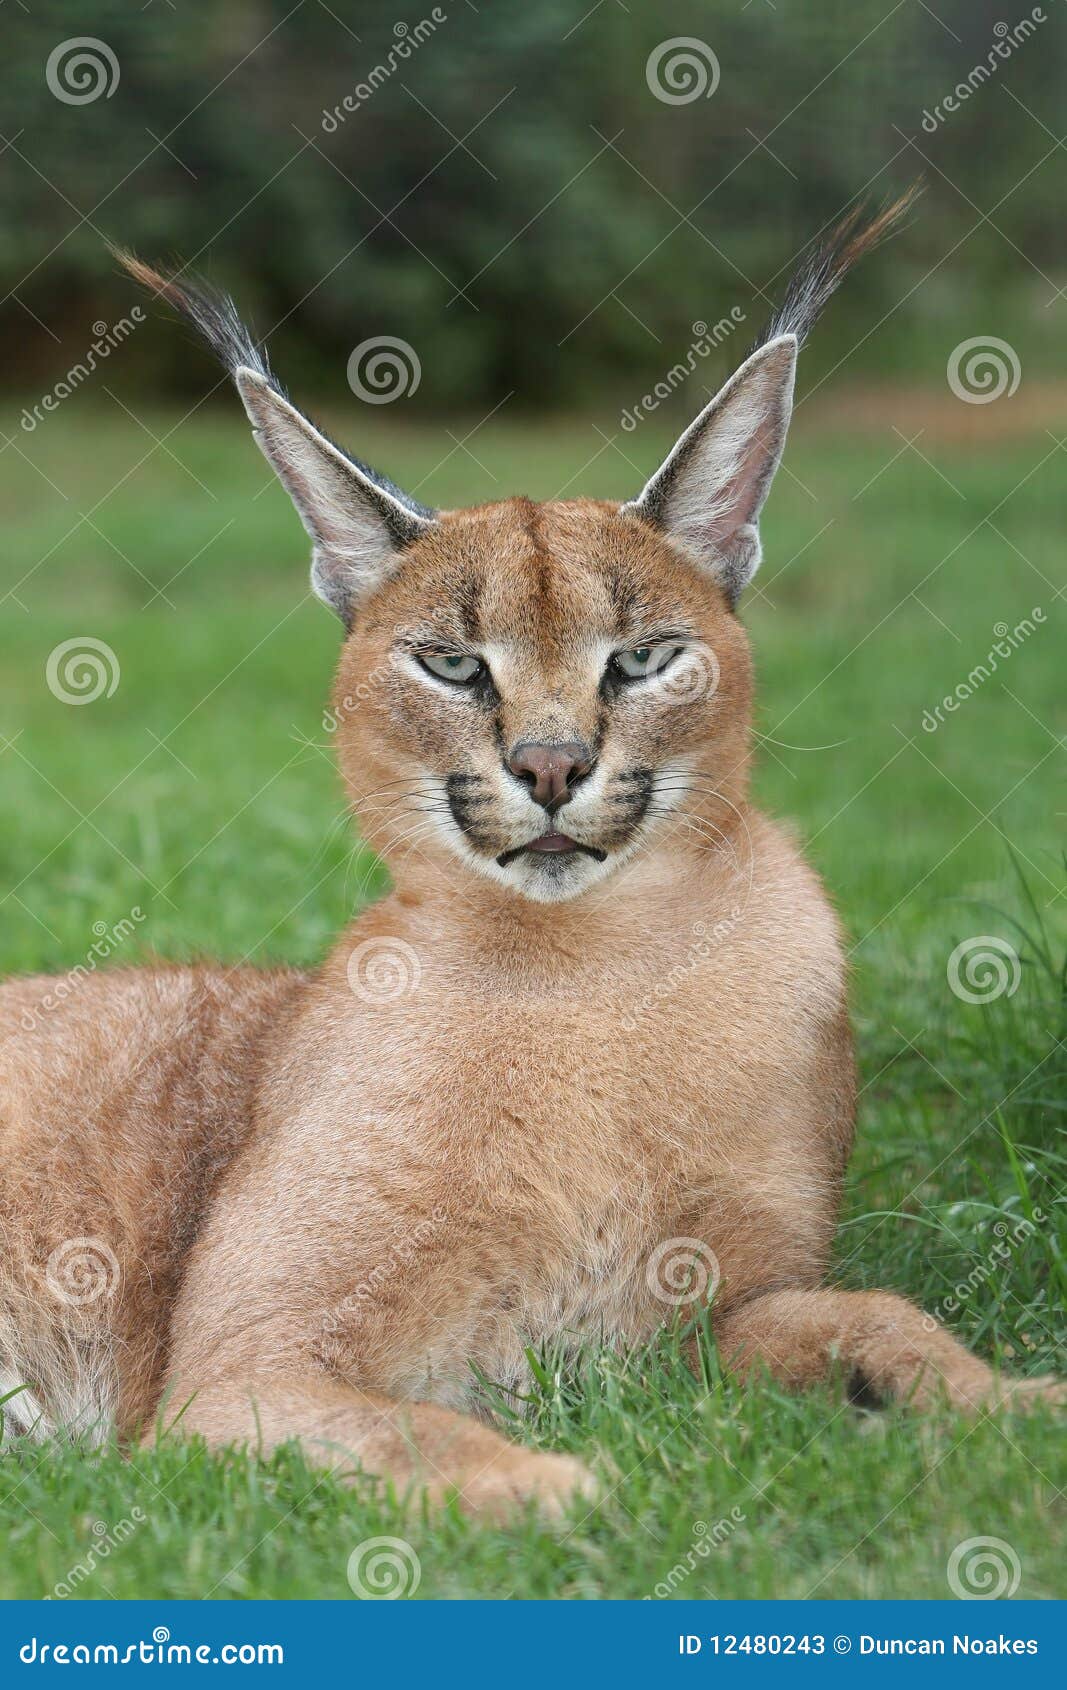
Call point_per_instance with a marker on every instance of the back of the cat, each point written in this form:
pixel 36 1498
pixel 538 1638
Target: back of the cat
pixel 123 1097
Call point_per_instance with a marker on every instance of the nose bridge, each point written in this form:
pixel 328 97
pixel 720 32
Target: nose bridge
pixel 556 706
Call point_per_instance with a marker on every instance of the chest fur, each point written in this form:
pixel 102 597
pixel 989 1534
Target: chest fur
pixel 541 1304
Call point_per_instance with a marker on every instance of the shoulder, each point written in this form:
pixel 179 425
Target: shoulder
pixel 788 919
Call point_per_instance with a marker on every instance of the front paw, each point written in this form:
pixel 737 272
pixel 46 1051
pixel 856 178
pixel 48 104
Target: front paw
pixel 516 1478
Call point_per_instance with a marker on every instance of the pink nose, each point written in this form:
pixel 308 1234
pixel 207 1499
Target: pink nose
pixel 550 771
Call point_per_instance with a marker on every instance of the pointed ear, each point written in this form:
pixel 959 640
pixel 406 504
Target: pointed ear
pixel 709 492
pixel 357 521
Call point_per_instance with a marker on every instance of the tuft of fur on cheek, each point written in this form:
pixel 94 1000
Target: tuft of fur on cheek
pixel 651 729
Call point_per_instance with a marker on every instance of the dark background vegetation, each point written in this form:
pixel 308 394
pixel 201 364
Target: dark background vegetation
pixel 373 229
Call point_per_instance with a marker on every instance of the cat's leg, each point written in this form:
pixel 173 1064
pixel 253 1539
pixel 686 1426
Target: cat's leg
pixel 417 1447
pixel 883 1347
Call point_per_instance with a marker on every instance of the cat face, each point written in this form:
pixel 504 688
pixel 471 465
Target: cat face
pixel 539 689
pixel 541 692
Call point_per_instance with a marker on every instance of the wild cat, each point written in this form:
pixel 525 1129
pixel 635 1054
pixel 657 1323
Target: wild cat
pixel 587 1064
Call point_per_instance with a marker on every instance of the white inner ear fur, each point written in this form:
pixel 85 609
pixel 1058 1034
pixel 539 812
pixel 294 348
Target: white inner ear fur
pixel 709 491
pixel 356 526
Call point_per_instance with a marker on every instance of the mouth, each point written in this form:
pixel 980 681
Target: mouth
pixel 552 844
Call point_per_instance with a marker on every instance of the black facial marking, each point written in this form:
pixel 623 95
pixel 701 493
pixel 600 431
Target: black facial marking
pixel 610 686
pixel 629 805
pixel 483 690
pixel 464 796
pixel 549 864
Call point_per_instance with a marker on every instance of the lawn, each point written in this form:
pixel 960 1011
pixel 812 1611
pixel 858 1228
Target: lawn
pixel 200 794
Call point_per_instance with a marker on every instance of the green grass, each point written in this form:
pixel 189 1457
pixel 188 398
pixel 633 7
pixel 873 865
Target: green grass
pixel 228 836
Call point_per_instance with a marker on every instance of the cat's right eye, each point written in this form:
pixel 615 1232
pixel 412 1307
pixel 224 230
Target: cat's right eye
pixel 455 666
pixel 642 661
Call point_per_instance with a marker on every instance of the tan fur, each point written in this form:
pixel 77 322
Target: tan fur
pixel 328 1200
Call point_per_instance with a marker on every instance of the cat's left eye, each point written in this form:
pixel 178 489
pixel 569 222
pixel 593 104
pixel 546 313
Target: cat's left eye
pixel 644 660
pixel 454 666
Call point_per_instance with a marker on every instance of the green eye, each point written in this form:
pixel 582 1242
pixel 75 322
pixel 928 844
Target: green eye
pixel 454 666
pixel 644 660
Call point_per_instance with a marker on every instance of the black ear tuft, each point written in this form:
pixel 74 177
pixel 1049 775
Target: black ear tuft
pixel 820 274
pixel 708 493
pixel 211 312
pixel 359 521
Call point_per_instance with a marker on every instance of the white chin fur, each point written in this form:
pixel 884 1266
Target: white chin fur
pixel 548 879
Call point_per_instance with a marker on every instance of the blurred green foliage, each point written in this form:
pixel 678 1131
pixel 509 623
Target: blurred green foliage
pixel 512 199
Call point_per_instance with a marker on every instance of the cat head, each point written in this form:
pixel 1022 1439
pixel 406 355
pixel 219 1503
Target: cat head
pixel 542 691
